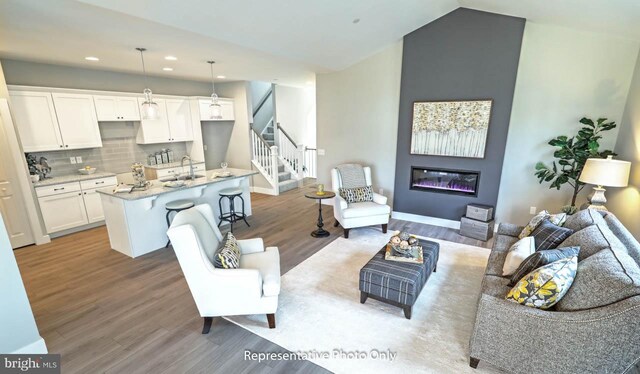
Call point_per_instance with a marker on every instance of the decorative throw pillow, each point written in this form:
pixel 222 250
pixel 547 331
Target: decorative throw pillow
pixel 604 278
pixel 541 258
pixel 549 236
pixel 535 221
pixel 357 194
pixel 558 219
pixel 228 255
pixel 518 252
pixel 545 286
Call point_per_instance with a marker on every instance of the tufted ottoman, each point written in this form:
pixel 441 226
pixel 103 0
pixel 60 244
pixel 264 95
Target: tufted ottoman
pixel 398 283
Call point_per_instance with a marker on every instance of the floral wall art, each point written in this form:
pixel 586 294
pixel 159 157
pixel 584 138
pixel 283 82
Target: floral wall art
pixel 450 128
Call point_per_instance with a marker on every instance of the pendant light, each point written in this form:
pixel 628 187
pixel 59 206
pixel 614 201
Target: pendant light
pixel 215 110
pixel 149 107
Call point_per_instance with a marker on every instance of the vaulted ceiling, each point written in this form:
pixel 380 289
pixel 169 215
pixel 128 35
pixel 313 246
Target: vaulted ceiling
pixel 286 40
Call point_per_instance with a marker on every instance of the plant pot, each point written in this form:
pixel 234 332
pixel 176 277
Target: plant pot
pixel 35 178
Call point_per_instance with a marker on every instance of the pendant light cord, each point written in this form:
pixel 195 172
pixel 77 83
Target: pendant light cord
pixel 144 70
pixel 213 87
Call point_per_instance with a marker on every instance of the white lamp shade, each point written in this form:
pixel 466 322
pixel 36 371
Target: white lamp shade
pixel 606 172
pixel 149 110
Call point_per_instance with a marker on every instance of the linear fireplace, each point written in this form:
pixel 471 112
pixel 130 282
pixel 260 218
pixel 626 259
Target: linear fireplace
pixel 459 182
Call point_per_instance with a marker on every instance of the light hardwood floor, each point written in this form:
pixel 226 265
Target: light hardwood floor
pixel 105 312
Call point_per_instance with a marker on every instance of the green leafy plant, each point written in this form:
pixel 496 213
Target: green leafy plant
pixel 572 153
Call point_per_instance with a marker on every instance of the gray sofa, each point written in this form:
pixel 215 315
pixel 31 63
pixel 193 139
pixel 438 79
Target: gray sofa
pixel 520 339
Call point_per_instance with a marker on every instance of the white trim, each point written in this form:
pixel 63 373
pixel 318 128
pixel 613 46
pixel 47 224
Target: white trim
pixel 426 219
pixel 36 347
pixel 263 190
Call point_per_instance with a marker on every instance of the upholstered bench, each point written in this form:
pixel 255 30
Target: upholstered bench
pixel 398 283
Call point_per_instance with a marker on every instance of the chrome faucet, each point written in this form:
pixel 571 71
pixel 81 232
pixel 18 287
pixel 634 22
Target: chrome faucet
pixel 192 174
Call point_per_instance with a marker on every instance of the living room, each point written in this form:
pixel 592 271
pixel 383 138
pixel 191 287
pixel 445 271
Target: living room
pixel 472 193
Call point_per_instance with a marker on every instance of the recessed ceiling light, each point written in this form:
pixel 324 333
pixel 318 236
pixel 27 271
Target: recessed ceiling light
pixel 221 76
pixel 91 58
pixel 167 69
pixel 170 58
pixel 356 20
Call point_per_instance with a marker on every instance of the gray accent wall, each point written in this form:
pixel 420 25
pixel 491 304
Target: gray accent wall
pixel 464 55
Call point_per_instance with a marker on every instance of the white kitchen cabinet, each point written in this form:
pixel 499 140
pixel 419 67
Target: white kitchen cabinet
pixel 36 120
pixel 117 108
pixel 69 205
pixel 226 107
pixel 173 124
pixel 154 130
pixel 63 211
pixel 179 117
pixel 77 120
pixel 93 206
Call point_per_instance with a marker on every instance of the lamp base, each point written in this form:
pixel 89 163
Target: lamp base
pixel 596 199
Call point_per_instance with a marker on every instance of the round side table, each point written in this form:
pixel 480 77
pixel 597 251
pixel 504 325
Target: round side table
pixel 320 232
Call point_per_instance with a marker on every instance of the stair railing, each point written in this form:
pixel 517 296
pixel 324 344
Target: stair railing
pixel 310 157
pixel 265 158
pixel 291 154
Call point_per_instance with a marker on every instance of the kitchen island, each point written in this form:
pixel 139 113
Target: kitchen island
pixel 136 220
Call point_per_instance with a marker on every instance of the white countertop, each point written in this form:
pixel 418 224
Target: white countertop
pixel 157 187
pixel 172 165
pixel 72 178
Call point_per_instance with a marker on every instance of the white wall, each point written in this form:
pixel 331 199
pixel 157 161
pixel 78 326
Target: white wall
pixel 625 202
pixel 563 75
pixel 18 330
pixel 296 113
pixel 357 117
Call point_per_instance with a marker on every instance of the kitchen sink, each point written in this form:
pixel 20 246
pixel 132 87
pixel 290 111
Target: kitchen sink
pixel 180 177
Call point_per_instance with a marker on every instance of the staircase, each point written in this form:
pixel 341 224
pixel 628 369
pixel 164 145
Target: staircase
pixel 286 181
pixel 274 153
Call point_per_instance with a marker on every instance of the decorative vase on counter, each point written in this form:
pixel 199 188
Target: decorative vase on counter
pixel 139 180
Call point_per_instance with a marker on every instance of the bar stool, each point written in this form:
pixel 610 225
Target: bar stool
pixel 176 206
pixel 231 216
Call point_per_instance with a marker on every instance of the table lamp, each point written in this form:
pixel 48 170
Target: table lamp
pixel 604 172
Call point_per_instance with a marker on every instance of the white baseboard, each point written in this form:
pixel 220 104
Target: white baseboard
pixel 263 190
pixel 36 347
pixel 426 219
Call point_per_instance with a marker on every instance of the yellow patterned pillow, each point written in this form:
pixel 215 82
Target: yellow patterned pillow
pixel 545 286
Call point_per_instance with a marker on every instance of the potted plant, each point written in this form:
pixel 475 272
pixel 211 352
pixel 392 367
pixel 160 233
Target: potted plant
pixel 572 153
pixel 34 171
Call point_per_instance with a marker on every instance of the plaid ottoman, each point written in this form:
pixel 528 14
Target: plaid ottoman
pixel 398 283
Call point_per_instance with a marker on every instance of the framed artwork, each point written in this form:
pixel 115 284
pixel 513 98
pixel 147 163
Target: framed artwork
pixel 453 128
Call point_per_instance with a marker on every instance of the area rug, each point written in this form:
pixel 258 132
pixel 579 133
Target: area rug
pixel 321 318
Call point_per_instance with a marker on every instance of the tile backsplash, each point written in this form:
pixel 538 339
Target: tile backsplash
pixel 119 150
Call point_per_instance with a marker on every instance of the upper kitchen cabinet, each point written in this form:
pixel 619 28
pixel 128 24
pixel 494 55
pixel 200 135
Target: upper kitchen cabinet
pixel 77 120
pixel 36 120
pixel 226 108
pixel 52 121
pixel 173 124
pixel 179 116
pixel 117 108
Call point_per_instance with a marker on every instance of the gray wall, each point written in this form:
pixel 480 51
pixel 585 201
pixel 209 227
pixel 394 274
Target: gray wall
pixel 625 202
pixel 466 55
pixel 216 136
pixel 47 75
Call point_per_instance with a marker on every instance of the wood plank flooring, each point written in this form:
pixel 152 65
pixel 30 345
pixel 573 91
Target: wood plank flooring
pixel 105 312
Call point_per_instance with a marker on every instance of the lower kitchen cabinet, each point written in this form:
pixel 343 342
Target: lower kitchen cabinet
pixel 63 211
pixel 70 205
pixel 93 206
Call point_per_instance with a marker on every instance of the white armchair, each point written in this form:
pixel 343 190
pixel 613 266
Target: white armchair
pixel 353 215
pixel 251 289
